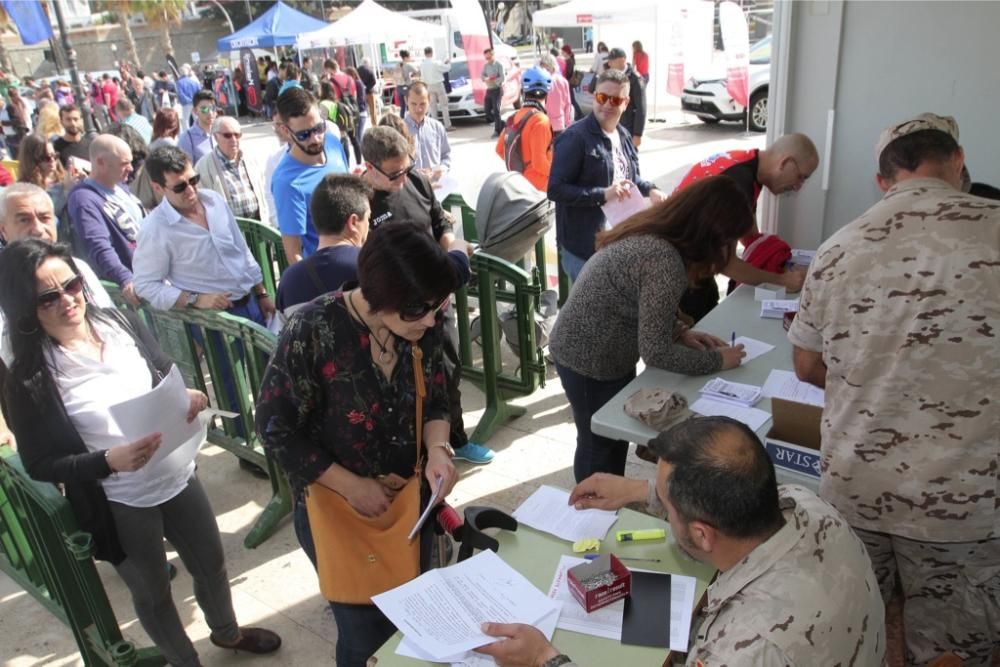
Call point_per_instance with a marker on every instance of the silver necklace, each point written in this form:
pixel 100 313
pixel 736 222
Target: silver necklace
pixel 385 354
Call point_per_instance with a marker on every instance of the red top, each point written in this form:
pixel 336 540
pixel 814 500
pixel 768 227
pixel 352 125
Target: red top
pixel 640 61
pixel 6 178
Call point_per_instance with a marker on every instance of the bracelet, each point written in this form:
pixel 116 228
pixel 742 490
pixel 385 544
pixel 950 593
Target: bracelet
pixel 448 449
pixel 108 462
pixel 557 661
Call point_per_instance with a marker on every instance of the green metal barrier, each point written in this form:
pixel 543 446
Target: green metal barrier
pixel 43 550
pixel 265 245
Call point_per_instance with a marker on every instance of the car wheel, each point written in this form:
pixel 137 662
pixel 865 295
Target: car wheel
pixel 708 121
pixel 758 111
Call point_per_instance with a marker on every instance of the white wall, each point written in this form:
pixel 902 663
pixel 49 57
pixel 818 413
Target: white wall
pixel 876 63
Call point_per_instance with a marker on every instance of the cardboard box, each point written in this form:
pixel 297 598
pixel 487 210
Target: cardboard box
pixel 620 587
pixel 768 292
pixel 793 440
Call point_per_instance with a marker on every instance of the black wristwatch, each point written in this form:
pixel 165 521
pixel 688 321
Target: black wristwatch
pixel 557 661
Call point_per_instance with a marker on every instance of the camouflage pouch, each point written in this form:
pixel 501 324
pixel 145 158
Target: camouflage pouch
pixel 656 408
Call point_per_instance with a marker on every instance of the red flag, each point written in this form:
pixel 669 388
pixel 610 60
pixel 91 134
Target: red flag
pixel 736 42
pixel 475 39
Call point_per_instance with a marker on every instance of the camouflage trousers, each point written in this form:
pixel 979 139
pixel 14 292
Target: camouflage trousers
pixel 951 594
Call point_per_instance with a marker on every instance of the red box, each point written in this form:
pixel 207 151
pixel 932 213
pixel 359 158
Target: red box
pixel 602 596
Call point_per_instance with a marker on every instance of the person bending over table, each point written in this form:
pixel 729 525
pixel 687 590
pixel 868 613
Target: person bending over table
pixel 795 584
pixel 71 363
pixel 624 306
pixel 338 405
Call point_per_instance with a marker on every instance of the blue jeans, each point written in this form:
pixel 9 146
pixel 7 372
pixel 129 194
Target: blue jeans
pixel 571 264
pixel 361 630
pixel 303 532
pixel 586 396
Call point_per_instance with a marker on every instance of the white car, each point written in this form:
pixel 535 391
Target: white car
pixel 462 104
pixel 706 97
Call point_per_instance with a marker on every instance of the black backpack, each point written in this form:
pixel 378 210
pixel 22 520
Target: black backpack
pixel 347 108
pixel 512 155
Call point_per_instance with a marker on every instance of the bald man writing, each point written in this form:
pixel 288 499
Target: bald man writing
pixel 783 167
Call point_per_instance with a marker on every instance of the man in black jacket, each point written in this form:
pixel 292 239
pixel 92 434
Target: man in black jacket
pixel 634 117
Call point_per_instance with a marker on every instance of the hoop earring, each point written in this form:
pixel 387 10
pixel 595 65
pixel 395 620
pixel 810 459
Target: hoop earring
pixel 20 328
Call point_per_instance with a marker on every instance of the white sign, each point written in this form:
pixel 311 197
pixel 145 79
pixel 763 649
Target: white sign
pixel 195 57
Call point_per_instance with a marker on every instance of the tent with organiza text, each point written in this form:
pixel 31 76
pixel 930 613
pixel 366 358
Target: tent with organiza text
pixel 278 26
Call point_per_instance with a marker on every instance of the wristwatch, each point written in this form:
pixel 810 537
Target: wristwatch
pixel 192 299
pixel 556 661
pixel 446 447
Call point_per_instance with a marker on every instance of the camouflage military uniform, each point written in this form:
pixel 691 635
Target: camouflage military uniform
pixel 904 306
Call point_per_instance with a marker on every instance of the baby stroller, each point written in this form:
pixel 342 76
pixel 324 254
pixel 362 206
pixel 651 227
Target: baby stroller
pixel 511 215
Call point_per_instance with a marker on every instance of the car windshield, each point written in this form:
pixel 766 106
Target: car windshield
pixel 459 70
pixel 760 53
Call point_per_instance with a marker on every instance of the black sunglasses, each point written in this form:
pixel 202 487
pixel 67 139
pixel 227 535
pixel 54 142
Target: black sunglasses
pixel 420 311
pixel 71 287
pixel 183 185
pixel 304 135
pixel 396 174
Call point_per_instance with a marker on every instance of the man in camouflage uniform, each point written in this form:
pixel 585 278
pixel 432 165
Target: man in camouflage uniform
pixel 899 320
pixel 795 585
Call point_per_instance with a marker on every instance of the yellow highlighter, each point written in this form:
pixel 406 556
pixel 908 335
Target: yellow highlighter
pixel 637 535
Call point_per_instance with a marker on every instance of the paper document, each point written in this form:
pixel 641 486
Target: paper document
pixel 802 257
pixel 752 417
pixel 784 384
pixel 446 185
pixel 549 511
pixel 441 611
pixel 161 410
pixel 604 622
pixel 427 512
pixel 753 347
pixel 622 209
pixel 737 393
pixel 775 309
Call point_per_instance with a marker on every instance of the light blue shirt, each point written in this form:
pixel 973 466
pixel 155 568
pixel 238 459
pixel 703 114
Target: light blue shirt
pixel 431 139
pixel 175 255
pixel 196 142
pixel 139 123
pixel 292 185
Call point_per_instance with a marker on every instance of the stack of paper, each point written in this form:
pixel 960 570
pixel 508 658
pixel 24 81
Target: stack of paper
pixel 802 257
pixel 752 417
pixel 784 384
pixel 549 511
pixel 744 395
pixel 775 309
pixel 441 612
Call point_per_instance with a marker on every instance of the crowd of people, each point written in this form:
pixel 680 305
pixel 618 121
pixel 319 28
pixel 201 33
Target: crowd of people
pixel 361 406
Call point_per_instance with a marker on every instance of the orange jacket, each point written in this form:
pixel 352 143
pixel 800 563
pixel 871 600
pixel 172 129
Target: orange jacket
pixel 536 147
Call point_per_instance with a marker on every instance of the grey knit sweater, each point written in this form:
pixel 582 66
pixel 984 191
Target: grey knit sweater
pixel 623 306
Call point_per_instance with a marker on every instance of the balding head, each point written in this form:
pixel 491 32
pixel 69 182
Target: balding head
pixel 26 212
pixel 787 163
pixel 110 159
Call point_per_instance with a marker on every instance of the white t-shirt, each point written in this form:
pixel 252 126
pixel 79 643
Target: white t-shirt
pixel 618 156
pixel 88 387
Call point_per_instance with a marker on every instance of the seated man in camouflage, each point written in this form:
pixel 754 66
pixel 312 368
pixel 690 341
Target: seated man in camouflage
pixel 795 585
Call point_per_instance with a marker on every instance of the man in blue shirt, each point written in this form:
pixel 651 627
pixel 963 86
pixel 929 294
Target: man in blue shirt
pixel 197 140
pixel 314 151
pixel 187 87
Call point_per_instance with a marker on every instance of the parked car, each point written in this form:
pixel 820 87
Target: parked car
pixel 462 104
pixel 706 96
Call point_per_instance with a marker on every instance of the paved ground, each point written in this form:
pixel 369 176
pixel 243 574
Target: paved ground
pixel 274 585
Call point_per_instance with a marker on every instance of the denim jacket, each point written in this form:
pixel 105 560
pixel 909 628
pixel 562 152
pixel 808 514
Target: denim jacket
pixel 582 167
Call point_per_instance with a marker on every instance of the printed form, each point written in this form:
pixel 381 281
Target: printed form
pixel 549 511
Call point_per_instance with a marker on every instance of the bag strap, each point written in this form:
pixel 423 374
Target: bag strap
pixel 421 388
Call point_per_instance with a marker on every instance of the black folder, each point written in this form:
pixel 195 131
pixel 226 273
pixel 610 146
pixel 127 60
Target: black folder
pixel 647 611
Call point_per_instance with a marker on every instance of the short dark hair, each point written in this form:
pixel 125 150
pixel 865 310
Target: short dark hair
pixel 383 143
pixel 162 74
pixel 428 51
pixel 721 476
pixel 337 198
pixel 202 95
pixel 907 152
pixel 291 72
pixel 401 266
pixel 164 159
pixel 418 87
pixel 330 63
pixel 403 53
pixel 68 108
pixel 295 102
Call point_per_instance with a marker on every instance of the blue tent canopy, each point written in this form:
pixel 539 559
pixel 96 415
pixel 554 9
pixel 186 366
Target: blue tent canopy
pixel 278 26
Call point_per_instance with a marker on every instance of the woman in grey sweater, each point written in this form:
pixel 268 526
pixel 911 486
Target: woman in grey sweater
pixel 624 306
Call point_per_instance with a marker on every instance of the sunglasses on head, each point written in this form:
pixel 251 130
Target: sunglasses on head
pixel 419 311
pixel 181 186
pixel 616 101
pixel 71 287
pixel 396 174
pixel 230 135
pixel 304 135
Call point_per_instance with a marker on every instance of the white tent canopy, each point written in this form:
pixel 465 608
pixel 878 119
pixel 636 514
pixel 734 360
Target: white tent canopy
pixel 370 23
pixel 581 13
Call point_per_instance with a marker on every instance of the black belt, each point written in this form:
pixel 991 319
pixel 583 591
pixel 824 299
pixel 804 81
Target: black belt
pixel 242 301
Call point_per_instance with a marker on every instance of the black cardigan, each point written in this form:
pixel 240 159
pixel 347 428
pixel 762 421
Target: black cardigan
pixel 52 450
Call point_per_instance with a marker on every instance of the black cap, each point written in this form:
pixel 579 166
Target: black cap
pixel 616 53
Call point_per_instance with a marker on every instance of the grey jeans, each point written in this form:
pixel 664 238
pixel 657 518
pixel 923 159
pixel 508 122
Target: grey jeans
pixel 187 520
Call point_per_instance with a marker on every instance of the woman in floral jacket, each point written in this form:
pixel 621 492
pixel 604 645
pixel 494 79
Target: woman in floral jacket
pixel 338 402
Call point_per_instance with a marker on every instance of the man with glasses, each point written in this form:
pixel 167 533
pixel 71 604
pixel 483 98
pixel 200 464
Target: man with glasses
pixel 197 141
pixel 232 173
pixel 580 185
pixel 106 216
pixel 314 151
pixel 403 194
pixel 782 168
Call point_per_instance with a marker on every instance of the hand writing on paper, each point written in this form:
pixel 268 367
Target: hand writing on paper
pixel 732 356
pixel 607 492
pixel 524 646
pixel 130 457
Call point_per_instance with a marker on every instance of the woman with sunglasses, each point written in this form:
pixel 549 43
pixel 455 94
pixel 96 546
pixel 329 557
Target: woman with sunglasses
pixel 38 163
pixel 71 363
pixel 338 403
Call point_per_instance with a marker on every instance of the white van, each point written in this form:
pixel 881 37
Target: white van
pixel 454 48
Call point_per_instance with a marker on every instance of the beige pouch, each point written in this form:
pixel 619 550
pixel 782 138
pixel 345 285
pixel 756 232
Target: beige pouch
pixel 656 408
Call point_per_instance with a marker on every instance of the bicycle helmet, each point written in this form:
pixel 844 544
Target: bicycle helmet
pixel 536 80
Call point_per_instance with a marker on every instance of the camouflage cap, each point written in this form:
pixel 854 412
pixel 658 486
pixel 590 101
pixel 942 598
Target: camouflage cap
pixel 925 121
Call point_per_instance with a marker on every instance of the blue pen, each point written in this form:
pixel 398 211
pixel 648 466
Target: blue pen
pixel 733 340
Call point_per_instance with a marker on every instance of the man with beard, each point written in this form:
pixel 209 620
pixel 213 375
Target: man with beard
pixel 73 143
pixel 795 584
pixel 314 151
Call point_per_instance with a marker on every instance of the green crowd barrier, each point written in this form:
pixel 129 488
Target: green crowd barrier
pixel 45 552
pixel 265 245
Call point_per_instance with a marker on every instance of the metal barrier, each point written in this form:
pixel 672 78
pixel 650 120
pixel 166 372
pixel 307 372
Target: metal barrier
pixel 45 552
pixel 265 245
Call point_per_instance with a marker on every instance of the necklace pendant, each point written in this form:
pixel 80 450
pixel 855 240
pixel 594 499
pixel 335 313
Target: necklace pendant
pixel 385 356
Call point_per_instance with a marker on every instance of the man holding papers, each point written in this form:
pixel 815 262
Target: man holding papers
pixel 795 585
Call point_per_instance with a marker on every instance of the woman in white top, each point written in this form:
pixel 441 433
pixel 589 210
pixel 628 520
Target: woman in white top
pixel 71 363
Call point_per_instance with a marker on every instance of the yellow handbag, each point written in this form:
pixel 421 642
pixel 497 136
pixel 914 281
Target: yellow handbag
pixel 358 556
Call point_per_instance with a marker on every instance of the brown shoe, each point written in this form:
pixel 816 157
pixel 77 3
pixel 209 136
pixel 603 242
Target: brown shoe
pixel 252 640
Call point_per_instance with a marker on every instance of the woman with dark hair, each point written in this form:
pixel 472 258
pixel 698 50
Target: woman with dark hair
pixel 573 77
pixel 39 164
pixel 166 128
pixel 71 363
pixel 338 410
pixel 624 304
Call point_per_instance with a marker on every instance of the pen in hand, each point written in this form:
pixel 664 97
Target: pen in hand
pixel 733 340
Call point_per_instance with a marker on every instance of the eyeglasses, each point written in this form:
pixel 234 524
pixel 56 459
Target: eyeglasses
pixel 396 174
pixel 71 287
pixel 183 185
pixel 206 109
pixel 304 135
pixel 615 100
pixel 230 135
pixel 420 311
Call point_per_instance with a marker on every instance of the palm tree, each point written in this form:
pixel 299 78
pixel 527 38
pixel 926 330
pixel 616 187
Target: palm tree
pixel 121 9
pixel 162 13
